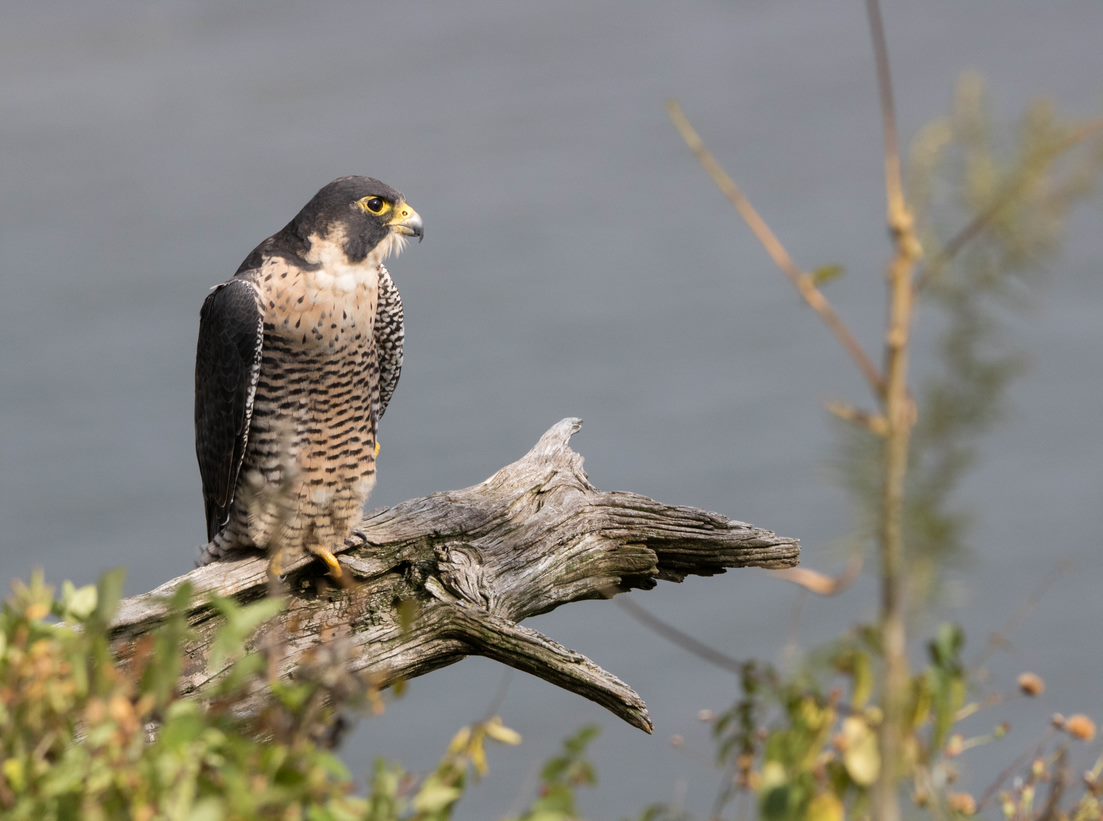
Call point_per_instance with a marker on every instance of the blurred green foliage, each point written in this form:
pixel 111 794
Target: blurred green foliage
pixel 82 736
pixel 804 744
pixel 991 206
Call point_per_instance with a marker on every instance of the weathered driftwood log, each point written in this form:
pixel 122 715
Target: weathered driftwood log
pixel 470 564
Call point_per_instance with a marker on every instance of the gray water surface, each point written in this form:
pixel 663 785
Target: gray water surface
pixel 577 262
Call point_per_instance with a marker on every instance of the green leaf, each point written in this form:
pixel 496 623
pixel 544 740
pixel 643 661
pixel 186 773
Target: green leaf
pixel 782 803
pixel 577 744
pixel 945 649
pixel 244 620
pixel 109 592
pixel 921 702
pixel 241 622
pixel 77 603
pixel 554 769
pixel 292 696
pixel 14 772
pixel 826 274
pixel 184 723
pixel 863 678
pixel 436 796
pixel 384 803
pixel 161 676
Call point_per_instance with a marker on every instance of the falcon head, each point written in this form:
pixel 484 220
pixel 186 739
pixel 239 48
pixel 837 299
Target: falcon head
pixel 360 215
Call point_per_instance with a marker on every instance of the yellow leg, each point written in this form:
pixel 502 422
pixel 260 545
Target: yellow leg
pixel 377 448
pixel 330 560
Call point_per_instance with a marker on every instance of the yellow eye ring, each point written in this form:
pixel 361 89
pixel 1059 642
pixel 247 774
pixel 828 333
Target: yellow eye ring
pixel 377 206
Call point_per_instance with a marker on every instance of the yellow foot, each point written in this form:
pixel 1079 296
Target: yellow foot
pixel 377 448
pixel 275 564
pixel 330 560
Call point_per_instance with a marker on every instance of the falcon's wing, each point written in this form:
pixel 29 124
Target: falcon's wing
pixel 227 364
pixel 390 334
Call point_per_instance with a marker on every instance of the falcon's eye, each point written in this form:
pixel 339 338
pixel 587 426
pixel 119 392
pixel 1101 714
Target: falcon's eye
pixel 374 205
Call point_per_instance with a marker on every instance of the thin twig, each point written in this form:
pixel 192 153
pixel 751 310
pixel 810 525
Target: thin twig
pixel 791 649
pixel 723 795
pixel 1005 196
pixel 875 423
pixel 1018 762
pixel 495 706
pixel 801 280
pixel 820 583
pixel 679 637
pixel 1016 619
pixel 1057 786
pixel 894 179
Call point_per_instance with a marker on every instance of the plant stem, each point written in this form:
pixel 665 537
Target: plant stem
pixel 899 412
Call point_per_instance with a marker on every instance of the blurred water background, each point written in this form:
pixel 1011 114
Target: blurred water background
pixel 577 262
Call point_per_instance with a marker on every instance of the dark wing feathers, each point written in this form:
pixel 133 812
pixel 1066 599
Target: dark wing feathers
pixel 227 364
pixel 390 334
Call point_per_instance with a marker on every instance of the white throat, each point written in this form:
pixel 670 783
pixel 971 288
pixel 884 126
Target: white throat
pixel 336 271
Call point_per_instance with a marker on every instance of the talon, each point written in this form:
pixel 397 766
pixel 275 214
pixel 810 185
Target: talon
pixel 330 560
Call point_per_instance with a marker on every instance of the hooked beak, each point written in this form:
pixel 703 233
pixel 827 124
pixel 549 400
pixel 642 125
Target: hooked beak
pixel 407 221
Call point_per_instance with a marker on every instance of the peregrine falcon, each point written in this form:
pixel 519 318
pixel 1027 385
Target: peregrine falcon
pixel 298 356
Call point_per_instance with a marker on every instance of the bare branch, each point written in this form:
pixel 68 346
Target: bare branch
pixel 875 423
pixel 1001 638
pixel 801 280
pixel 681 638
pixel 899 217
pixel 820 583
pixel 1013 767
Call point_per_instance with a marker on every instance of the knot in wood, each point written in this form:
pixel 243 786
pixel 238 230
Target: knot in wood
pixel 463 574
